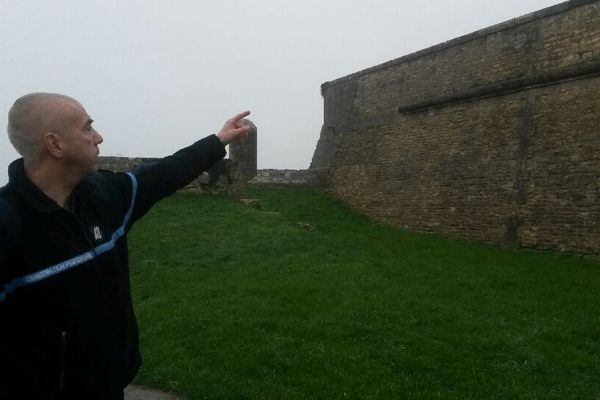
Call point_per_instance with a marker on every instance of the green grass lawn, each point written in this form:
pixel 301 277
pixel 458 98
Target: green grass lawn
pixel 240 303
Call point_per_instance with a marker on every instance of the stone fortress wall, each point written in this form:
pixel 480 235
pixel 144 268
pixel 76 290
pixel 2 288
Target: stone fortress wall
pixel 494 136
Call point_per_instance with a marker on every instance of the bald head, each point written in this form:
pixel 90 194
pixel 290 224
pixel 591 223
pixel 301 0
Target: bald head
pixel 35 114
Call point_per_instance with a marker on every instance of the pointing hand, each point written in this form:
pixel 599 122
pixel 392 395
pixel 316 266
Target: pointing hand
pixel 234 129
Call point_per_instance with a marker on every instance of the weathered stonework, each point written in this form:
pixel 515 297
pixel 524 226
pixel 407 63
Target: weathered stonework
pixel 245 152
pixel 494 136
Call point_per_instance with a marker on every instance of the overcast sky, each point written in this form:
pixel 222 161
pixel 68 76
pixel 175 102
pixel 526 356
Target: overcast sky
pixel 157 75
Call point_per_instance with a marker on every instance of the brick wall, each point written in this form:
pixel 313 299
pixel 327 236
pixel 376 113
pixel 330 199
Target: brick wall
pixel 494 136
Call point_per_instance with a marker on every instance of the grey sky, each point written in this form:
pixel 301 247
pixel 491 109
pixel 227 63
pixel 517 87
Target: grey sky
pixel 156 75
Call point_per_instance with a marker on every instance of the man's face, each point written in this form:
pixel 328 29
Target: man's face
pixel 80 139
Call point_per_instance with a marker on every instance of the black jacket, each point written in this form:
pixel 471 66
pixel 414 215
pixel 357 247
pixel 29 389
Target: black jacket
pixel 67 326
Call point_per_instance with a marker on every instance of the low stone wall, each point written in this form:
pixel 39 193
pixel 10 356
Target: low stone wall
pixel 222 178
pixel 285 177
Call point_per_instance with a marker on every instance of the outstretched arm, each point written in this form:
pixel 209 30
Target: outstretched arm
pixel 234 129
pixel 160 179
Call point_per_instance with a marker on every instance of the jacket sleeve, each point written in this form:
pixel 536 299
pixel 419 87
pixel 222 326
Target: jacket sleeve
pixel 162 178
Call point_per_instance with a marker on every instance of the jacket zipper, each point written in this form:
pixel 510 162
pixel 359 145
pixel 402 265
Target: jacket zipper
pixel 63 363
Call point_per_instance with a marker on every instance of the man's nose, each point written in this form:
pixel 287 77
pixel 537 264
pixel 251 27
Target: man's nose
pixel 99 138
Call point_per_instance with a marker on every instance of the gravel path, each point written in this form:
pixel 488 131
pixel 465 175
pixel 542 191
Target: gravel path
pixel 140 393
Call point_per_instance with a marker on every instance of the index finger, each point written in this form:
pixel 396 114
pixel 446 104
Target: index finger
pixel 240 116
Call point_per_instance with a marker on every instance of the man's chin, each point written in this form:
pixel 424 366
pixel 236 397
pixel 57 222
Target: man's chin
pixel 94 168
pixel 96 165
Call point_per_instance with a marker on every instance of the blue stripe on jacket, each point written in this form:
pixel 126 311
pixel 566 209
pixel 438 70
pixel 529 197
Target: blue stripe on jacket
pixel 77 260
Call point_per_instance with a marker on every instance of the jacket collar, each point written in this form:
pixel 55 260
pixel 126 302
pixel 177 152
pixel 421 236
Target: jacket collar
pixel 18 179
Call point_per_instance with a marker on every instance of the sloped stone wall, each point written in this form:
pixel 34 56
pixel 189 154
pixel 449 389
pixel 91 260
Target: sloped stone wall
pixel 494 136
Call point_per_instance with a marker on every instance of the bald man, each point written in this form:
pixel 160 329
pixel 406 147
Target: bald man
pixel 67 326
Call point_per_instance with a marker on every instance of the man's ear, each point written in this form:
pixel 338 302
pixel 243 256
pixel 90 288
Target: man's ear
pixel 53 144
